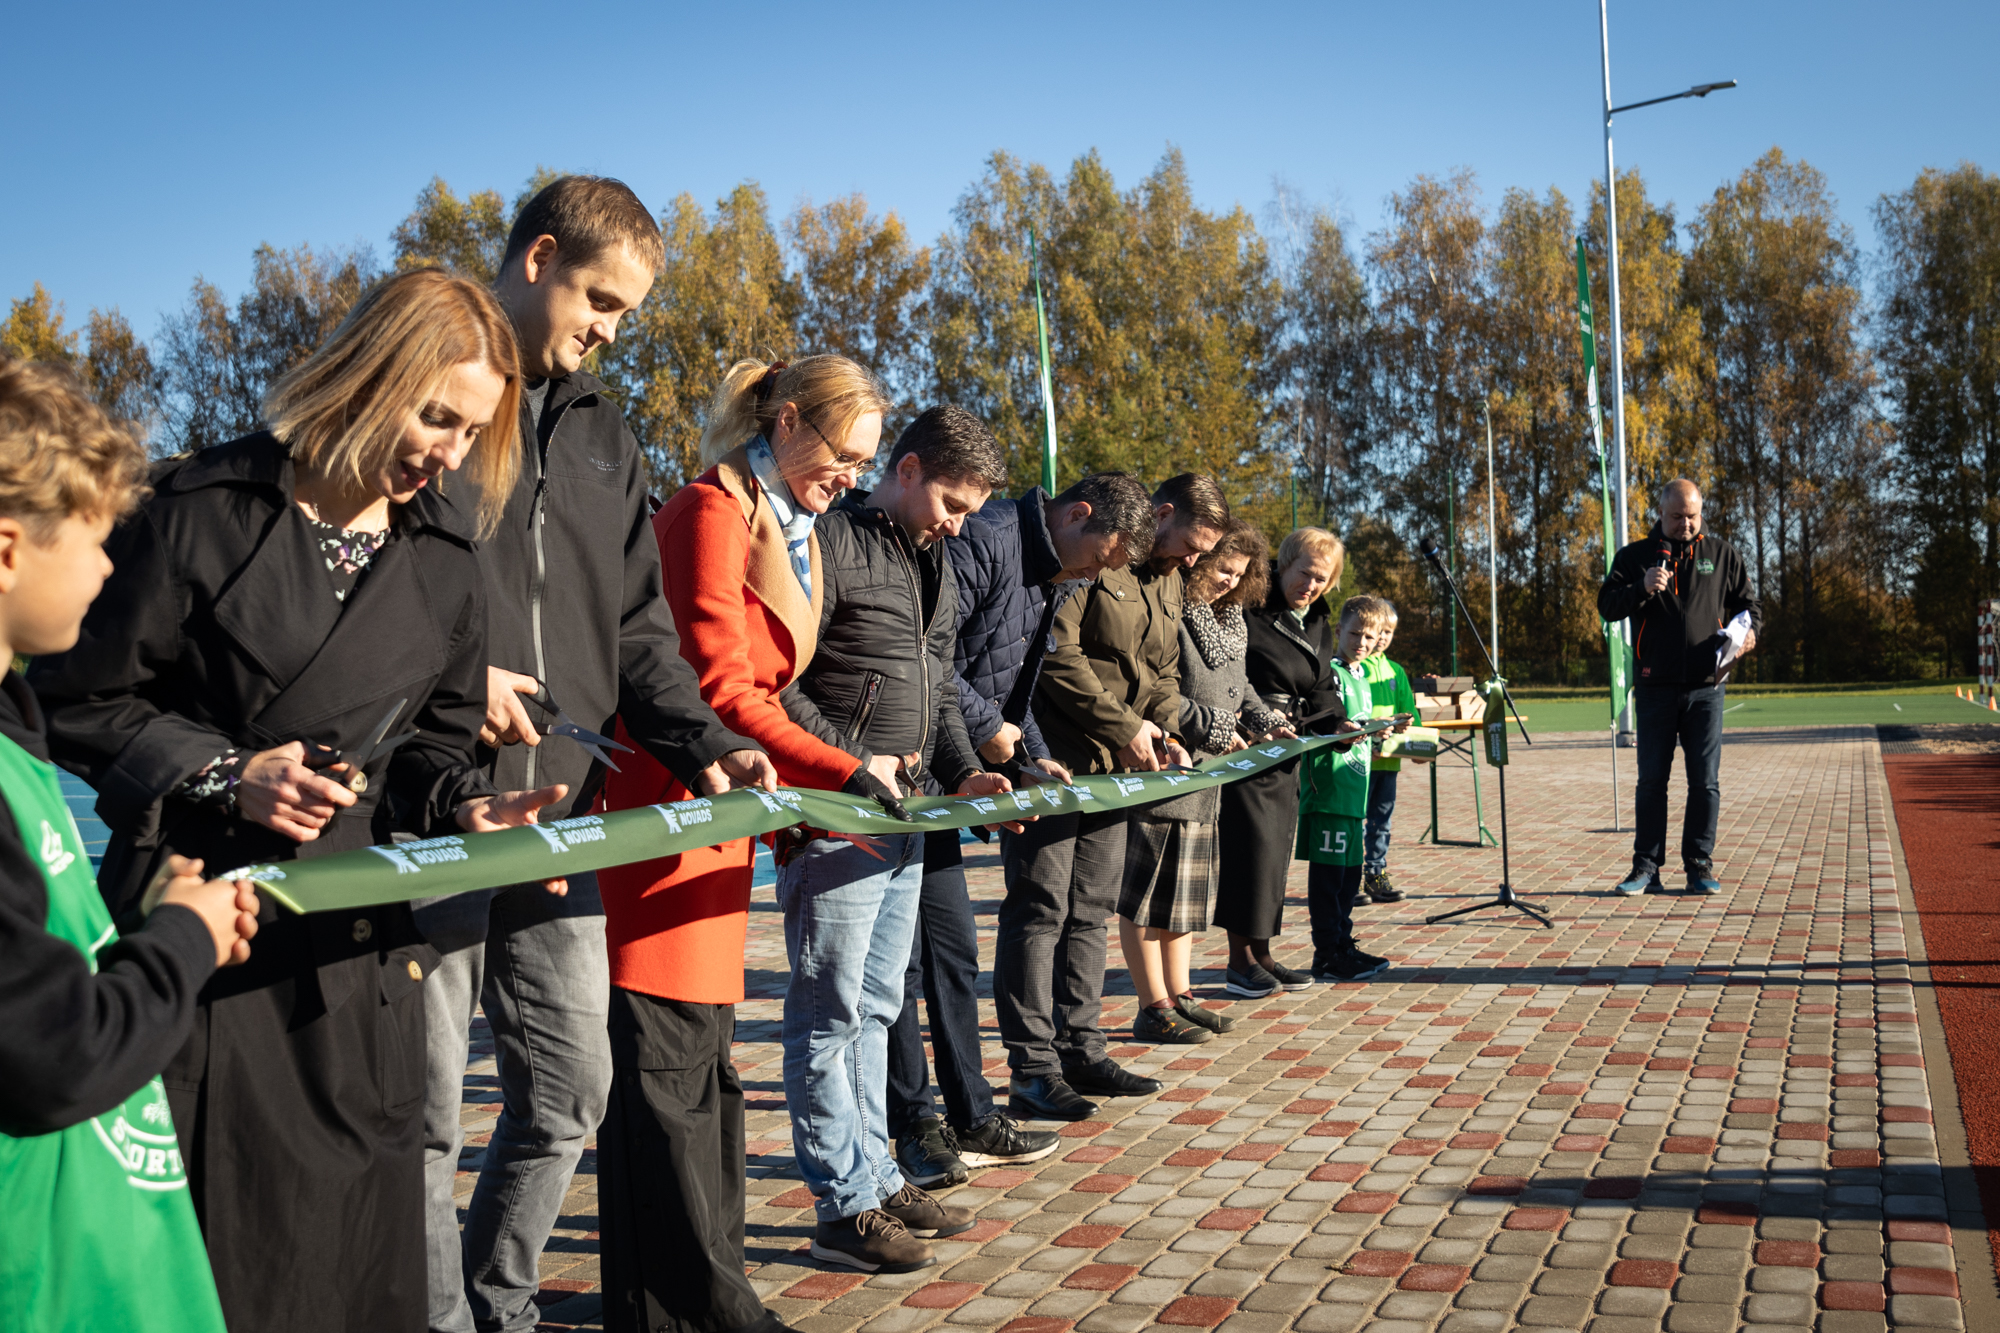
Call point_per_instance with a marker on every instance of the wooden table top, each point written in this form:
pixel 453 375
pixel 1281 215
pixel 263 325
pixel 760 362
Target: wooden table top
pixel 1465 723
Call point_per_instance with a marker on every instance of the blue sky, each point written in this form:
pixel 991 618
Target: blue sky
pixel 148 144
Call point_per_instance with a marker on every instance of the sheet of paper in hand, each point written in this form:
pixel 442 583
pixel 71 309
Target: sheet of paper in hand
pixel 1731 646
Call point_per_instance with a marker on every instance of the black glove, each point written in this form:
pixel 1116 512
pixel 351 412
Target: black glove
pixel 864 783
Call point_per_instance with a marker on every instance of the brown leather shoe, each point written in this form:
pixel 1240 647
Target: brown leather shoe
pixel 874 1242
pixel 924 1215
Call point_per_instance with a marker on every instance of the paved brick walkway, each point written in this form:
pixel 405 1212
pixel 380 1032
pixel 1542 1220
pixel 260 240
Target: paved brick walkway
pixel 1696 1114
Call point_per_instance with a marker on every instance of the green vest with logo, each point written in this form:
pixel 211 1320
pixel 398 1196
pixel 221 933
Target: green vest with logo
pixel 1389 690
pixel 99 1230
pixel 1335 782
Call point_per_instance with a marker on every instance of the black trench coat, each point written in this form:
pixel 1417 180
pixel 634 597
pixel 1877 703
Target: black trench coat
pixel 297 1099
pixel 1290 670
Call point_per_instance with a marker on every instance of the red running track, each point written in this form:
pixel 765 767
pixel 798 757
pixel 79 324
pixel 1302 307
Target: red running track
pixel 1948 812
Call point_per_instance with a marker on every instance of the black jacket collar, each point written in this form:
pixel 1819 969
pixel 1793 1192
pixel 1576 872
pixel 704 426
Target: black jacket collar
pixel 21 716
pixel 260 462
pixel 1039 562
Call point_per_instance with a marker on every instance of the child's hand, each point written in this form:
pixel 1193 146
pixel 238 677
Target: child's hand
pixel 228 908
pixel 1402 722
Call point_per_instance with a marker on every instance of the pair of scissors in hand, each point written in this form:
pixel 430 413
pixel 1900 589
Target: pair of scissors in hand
pixel 596 743
pixel 325 756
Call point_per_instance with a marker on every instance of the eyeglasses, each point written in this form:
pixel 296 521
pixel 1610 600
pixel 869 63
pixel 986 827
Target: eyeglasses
pixel 842 462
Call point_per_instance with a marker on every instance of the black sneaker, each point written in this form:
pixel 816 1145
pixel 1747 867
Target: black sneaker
pixel 1380 889
pixel 1107 1078
pixel 1290 978
pixel 999 1142
pixel 1351 967
pixel 1367 957
pixel 1190 1009
pixel 927 1155
pixel 1252 985
pixel 1167 1026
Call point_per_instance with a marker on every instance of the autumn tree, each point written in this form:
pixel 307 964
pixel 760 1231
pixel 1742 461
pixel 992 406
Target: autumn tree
pixel 1940 350
pixel 1774 275
pixel 860 285
pixel 467 236
pixel 107 356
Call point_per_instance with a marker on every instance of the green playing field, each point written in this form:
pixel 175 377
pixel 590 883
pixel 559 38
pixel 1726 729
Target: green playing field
pixel 1778 710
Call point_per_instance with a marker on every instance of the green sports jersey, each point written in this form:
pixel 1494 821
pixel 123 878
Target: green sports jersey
pixel 1329 840
pixel 1335 782
pixel 1389 687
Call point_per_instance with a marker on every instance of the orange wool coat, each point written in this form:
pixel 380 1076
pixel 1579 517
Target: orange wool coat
pixel 676 926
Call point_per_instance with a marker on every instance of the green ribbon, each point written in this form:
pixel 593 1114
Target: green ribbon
pixel 465 862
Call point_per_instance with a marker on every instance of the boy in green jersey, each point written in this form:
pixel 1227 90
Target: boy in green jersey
pixel 1333 807
pixel 1389 687
pixel 100 1232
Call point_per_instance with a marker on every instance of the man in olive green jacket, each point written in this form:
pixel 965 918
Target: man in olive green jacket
pixel 1108 700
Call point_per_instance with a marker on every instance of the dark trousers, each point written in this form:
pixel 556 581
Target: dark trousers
pixel 670 1172
pixel 944 966
pixel 1687 718
pixel 1330 895
pixel 1381 812
pixel 1063 874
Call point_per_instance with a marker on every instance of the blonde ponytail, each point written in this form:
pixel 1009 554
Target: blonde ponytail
pixel 830 392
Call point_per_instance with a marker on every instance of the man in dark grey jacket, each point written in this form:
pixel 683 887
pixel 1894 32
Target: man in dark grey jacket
pixel 574 595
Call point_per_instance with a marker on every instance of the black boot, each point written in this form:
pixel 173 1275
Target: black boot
pixel 1046 1098
pixel 1104 1078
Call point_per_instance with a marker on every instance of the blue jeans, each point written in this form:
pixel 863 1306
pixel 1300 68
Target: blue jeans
pixel 849 923
pixel 944 969
pixel 1381 810
pixel 538 965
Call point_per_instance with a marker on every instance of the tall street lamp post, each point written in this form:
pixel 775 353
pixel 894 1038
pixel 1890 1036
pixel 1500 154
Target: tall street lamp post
pixel 1617 327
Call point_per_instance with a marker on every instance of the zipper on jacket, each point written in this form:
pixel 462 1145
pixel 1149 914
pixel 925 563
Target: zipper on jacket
pixel 871 690
pixel 923 656
pixel 537 515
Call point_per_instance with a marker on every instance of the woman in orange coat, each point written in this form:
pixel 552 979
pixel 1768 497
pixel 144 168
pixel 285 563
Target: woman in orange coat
pixel 741 569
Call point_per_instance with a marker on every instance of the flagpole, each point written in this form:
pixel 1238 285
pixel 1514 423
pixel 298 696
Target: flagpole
pixel 1048 387
pixel 1616 652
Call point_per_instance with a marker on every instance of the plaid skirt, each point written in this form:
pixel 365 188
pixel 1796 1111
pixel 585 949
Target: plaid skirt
pixel 1171 868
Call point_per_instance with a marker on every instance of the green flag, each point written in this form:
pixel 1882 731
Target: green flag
pixel 1048 386
pixel 1616 646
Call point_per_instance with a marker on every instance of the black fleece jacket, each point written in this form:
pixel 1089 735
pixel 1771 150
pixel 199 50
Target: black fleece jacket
pixel 75 1043
pixel 1677 630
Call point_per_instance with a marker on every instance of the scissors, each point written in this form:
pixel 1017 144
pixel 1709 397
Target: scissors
pixel 325 756
pixel 594 742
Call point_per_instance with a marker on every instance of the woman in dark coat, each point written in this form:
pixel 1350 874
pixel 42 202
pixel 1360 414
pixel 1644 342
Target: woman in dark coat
pixel 1288 662
pixel 281 590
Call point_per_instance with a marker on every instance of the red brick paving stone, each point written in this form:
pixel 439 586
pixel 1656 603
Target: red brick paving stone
pixel 1088 1237
pixel 1305 1071
pixel 1198 1311
pixel 1598 1111
pixel 1035 1324
pixel 1382 1046
pixel 1346 1171
pixel 803 1197
pixel 1669 1063
pixel 1083 1129
pixel 1788 1253
pixel 824 1286
pixel 1851 1159
pixel 1613 1187
pixel 1365 1203
pixel 1867 1296
pixel 1100 1277
pixel 1332 1129
pixel 1428 1081
pixel 1930 1233
pixel 1000 1180
pixel 1475 1139
pixel 1492 1185
pixel 557 1289
pixel 1415 1147
pixel 1254 1152
pixel 1272 1013
pixel 1660 1273
pixel 1187 1064
pixel 1434 1277
pixel 1184 1094
pixel 1377 1263
pixel 1923 1282
pixel 1286 1053
pixel 1804 1131
pixel 1309 1106
pixel 1625 1057
pixel 1564 1089
pixel 1198 1117
pixel 942 1295
pixel 1535 1219
pixel 1194 1157
pixel 1727 1212
pixel 1712 1071
pixel 1231 1219
pixel 1092 1153
pixel 1531 1071
pixel 1579 1143
pixel 1855 1081
pixel 1905 1115
pixel 1102 1184
pixel 984 1228
pixel 1688 1143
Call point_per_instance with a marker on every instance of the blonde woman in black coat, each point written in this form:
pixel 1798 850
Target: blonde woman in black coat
pixel 281 591
pixel 1288 662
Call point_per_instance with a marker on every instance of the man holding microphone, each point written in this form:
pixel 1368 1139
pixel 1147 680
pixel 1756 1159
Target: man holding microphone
pixel 1682 587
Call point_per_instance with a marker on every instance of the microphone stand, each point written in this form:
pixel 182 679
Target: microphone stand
pixel 1505 898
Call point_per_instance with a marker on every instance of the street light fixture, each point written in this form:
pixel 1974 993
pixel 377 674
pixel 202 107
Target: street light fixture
pixel 1617 326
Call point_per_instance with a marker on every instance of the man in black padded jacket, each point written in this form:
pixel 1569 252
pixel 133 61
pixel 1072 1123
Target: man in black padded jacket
pixel 881 687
